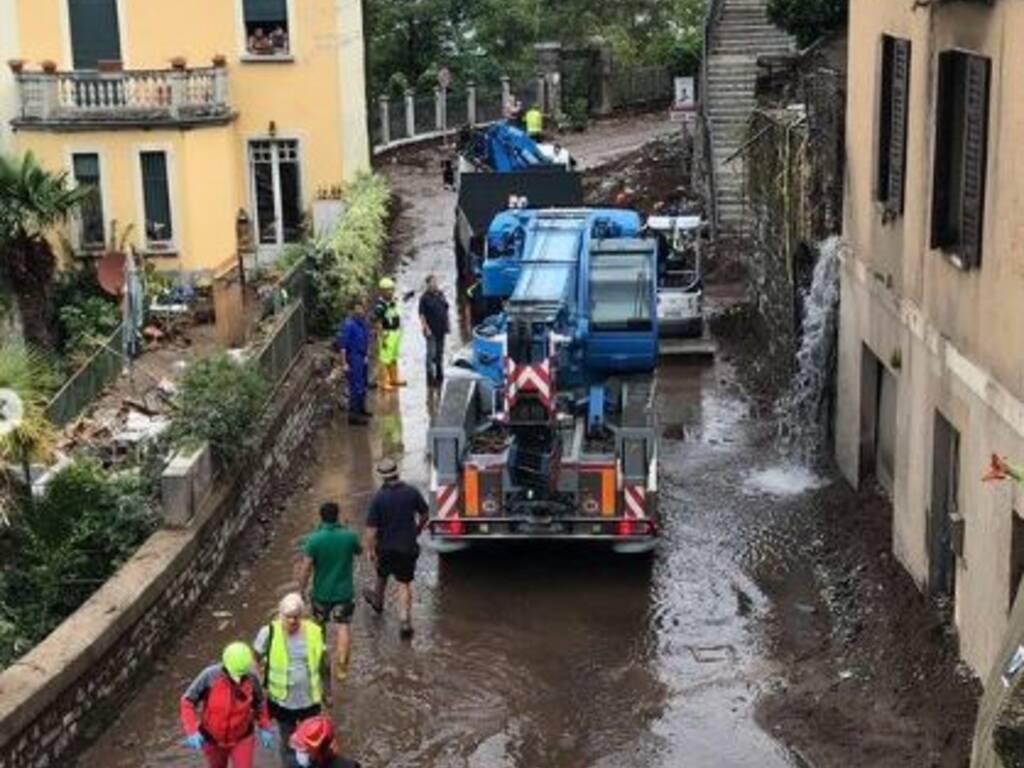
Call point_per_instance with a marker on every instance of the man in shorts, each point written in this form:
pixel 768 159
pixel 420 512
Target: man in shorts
pixel 329 557
pixel 397 514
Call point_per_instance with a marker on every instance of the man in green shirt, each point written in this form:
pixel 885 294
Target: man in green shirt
pixel 329 556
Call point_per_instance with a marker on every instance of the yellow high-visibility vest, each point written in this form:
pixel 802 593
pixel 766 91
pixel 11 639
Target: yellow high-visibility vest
pixel 277 655
pixel 534 122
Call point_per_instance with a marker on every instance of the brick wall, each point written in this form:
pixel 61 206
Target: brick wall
pixel 52 697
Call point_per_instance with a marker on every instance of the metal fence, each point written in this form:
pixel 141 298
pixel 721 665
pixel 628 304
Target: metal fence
pixel 641 85
pixel 286 341
pixel 89 381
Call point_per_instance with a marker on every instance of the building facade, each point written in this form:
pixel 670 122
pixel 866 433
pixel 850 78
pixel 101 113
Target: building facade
pixel 183 114
pixel 931 353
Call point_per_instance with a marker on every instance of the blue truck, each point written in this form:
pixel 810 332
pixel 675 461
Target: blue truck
pixel 546 426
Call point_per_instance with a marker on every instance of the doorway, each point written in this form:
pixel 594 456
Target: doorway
pixel 275 194
pixel 945 504
pixel 879 394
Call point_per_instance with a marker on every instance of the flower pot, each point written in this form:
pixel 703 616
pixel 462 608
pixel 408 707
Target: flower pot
pixel 49 67
pixel 16 65
pixel 179 62
pixel 220 61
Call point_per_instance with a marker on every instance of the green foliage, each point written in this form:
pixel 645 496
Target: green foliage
pixel 82 530
pixel 481 40
pixel 32 199
pixel 86 325
pixel 27 373
pixel 808 20
pixel 343 265
pixel 219 401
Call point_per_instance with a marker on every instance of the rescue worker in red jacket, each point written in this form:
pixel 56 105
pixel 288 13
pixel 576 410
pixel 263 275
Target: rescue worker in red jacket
pixel 234 711
pixel 316 745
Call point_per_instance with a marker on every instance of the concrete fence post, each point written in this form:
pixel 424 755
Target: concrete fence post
pixel 178 87
pixel 541 91
pixel 49 96
pixel 439 108
pixel 385 121
pixel 506 94
pixel 220 87
pixel 410 113
pixel 471 103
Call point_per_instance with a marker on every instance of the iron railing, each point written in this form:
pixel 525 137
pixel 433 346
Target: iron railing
pixel 88 382
pixel 711 18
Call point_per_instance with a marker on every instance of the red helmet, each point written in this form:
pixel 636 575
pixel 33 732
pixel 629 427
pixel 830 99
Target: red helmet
pixel 313 734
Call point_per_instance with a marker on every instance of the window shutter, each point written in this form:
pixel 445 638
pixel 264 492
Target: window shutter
pixel 94 32
pixel 975 157
pixel 898 131
pixel 942 161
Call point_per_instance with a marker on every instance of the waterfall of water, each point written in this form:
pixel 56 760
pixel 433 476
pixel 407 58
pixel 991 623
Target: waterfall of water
pixel 804 410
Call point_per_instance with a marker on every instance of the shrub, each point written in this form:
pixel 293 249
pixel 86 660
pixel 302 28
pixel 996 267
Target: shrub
pixel 343 265
pixel 808 20
pixel 219 401
pixel 86 525
pixel 86 325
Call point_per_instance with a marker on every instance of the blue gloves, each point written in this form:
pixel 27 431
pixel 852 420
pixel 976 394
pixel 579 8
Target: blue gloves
pixel 266 737
pixel 195 741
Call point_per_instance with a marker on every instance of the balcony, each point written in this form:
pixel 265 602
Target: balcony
pixel 132 99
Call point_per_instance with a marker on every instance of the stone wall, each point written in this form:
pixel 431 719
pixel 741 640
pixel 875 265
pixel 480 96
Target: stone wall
pixel 53 696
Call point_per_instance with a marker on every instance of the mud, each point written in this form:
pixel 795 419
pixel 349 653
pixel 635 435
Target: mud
pixel 724 649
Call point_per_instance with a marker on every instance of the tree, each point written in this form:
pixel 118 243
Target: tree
pixel 32 201
pixel 808 20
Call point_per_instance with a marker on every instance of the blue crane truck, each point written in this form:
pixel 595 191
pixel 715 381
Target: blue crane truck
pixel 546 426
pixel 496 165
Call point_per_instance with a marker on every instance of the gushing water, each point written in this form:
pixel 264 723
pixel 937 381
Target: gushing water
pixel 804 410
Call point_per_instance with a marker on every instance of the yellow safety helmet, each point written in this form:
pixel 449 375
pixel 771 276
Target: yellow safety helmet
pixel 387 284
pixel 237 660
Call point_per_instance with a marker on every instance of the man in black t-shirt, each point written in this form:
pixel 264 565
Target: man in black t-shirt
pixel 434 321
pixel 397 514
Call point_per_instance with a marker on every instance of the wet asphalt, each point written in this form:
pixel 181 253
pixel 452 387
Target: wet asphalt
pixel 530 657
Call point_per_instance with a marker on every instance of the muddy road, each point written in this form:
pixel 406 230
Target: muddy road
pixel 545 657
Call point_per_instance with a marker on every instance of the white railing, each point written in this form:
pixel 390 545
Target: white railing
pixel 132 96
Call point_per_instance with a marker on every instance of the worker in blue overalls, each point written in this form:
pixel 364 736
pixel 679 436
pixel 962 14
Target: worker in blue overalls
pixel 353 341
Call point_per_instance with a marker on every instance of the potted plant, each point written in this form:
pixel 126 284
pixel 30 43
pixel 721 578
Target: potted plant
pixel 179 62
pixel 16 65
pixel 49 66
pixel 220 61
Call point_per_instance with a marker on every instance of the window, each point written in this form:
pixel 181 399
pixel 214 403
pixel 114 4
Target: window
pixel 266 27
pixel 91 225
pixel 961 152
pixel 274 168
pixel 95 35
pixel 156 197
pixel 892 124
pixel 620 292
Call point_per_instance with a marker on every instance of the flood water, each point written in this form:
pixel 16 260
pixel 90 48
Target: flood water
pixel 531 657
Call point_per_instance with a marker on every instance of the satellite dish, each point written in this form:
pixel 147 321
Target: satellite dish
pixel 110 273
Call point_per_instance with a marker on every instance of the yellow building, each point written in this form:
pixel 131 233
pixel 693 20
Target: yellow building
pixel 931 359
pixel 183 113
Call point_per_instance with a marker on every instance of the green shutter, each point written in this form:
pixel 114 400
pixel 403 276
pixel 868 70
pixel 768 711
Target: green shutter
pixel 266 11
pixel 94 32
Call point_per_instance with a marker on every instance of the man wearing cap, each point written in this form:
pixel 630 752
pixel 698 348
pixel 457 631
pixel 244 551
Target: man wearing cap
pixel 224 710
pixel 388 317
pixel 397 514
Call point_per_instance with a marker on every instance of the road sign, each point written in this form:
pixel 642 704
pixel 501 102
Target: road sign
pixel 444 78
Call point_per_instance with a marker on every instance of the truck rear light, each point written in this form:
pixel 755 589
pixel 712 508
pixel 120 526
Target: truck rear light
pixel 451 528
pixel 635 528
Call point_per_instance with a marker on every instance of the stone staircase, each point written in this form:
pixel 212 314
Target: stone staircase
pixel 740 33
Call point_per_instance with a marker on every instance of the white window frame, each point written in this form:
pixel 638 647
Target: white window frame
pixel 160 247
pixel 270 252
pixel 104 190
pixel 243 40
pixel 65 31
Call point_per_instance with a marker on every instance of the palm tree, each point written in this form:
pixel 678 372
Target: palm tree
pixel 27 374
pixel 32 201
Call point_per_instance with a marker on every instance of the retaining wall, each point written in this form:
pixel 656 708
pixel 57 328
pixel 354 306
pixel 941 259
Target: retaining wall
pixel 51 697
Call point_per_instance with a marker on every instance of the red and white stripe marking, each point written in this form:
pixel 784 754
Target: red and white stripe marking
pixel 635 497
pixel 528 378
pixel 447 499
